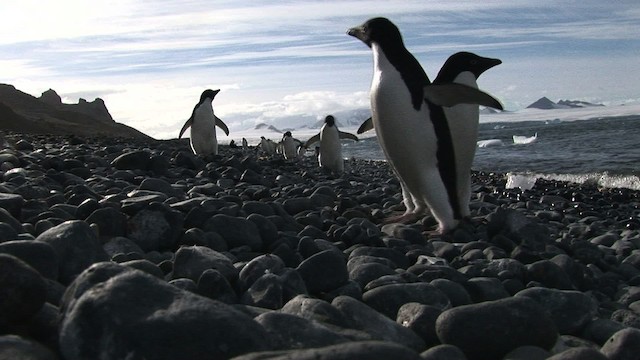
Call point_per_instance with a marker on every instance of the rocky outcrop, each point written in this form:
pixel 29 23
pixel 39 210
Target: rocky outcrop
pixel 24 113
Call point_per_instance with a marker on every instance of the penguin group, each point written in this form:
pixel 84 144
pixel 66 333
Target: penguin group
pixel 427 130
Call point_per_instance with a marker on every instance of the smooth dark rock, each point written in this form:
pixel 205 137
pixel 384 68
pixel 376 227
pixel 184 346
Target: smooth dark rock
pixel 623 345
pixel 147 318
pixel 456 293
pixel 15 347
pixel 324 271
pixel 485 289
pixel 549 274
pixel 214 285
pixel 370 350
pixel 362 317
pixel 388 299
pixel 76 246
pixel 294 332
pixel 421 319
pixel 443 352
pixel 37 254
pixel 579 353
pixel 491 329
pixel 256 268
pixel 315 309
pixel 235 231
pixel 111 222
pixel 570 310
pixel 23 292
pixel 191 261
pixel 133 160
pixel 157 227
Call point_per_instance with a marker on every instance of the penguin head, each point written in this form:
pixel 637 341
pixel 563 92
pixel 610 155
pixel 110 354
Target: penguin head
pixel 330 120
pixel 466 61
pixel 286 134
pixel 377 30
pixel 209 94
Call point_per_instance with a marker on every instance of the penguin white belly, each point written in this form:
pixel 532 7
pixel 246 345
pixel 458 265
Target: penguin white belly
pixel 331 150
pixel 203 132
pixel 408 139
pixel 289 148
pixel 463 122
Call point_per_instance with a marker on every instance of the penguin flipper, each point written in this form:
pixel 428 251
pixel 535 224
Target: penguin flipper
pixel 314 138
pixel 222 125
pixel 346 135
pixel 453 94
pixel 365 126
pixel 185 127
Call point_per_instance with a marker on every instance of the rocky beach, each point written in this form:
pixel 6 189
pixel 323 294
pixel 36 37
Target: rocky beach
pixel 115 248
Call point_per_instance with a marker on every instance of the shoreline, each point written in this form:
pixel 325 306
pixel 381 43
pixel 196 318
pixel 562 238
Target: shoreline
pixel 113 247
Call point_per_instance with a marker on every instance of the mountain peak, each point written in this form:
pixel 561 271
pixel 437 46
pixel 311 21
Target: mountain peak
pixel 51 97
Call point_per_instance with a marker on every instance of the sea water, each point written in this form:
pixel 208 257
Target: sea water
pixel 603 150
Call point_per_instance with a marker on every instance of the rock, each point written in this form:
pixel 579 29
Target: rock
pixel 421 319
pixel 626 318
pixel 443 352
pixel 293 332
pixel 370 350
pixel 256 268
pixel 37 254
pixel 23 292
pixel 485 289
pixel 570 310
pixel 214 285
pixel 191 261
pixel 363 317
pixel 324 271
pixel 266 292
pixel 236 232
pixel 111 222
pixel 18 348
pixel 315 309
pixel 76 246
pixel 147 318
pixel 12 203
pixel 157 227
pixel 387 299
pixel 132 160
pixel 579 353
pixel 121 245
pixel 623 345
pixel 548 274
pixel 456 293
pixel 364 273
pixel 493 328
pixel 600 330
pixel 527 352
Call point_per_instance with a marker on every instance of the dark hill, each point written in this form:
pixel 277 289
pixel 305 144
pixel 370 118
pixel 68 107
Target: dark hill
pixel 24 113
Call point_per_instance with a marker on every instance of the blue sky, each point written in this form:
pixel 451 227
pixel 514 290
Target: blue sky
pixel 150 60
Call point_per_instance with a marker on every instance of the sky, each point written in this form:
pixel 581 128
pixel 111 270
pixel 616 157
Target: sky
pixel 150 60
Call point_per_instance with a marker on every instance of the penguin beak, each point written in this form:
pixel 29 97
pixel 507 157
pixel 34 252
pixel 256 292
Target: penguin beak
pixel 489 63
pixel 359 33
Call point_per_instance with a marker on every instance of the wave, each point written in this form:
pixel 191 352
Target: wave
pixel 526 181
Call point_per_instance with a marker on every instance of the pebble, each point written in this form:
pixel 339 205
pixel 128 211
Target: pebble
pixel 219 241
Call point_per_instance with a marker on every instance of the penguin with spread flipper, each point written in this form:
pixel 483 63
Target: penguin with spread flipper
pixel 412 127
pixel 203 124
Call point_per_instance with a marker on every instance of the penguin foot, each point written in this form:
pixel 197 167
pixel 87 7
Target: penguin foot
pixel 405 218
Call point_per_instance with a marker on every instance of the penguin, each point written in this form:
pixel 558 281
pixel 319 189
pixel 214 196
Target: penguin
pixel 330 153
pixel 203 124
pixel 245 145
pixel 412 128
pixel 267 146
pixel 463 68
pixel 289 145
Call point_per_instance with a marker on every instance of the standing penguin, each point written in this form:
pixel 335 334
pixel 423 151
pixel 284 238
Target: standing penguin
pixel 330 156
pixel 290 145
pixel 203 124
pixel 411 124
pixel 463 68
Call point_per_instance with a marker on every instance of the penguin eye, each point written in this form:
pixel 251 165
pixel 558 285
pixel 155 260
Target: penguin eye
pixel 473 62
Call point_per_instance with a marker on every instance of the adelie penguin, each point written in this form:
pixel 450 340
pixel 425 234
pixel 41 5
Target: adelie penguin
pixel 411 124
pixel 203 124
pixel 462 68
pixel 290 145
pixel 330 153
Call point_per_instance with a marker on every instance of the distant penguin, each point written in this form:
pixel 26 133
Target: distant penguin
pixel 412 128
pixel 203 124
pixel 290 145
pixel 330 153
pixel 245 144
pixel 267 146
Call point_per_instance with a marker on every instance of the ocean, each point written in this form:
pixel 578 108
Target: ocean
pixel 606 150
pixel 595 144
